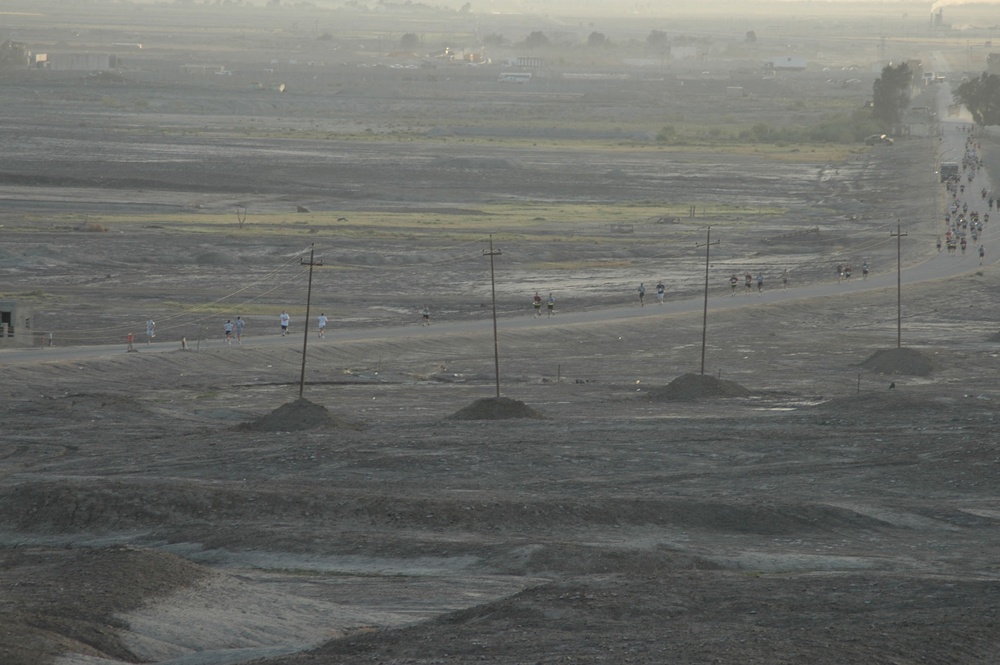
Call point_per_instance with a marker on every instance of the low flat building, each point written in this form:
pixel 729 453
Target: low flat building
pixel 787 62
pixel 15 326
pixel 82 62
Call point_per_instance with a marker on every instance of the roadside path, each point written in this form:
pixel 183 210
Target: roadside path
pixel 941 266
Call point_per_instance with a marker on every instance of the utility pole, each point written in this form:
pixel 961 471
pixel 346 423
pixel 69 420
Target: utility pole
pixel 305 327
pixel 493 290
pixel 704 317
pixel 899 284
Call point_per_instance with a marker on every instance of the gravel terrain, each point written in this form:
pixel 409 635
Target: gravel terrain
pixel 815 495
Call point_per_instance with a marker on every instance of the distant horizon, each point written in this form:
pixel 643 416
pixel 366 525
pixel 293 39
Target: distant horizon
pixel 575 7
pixel 974 13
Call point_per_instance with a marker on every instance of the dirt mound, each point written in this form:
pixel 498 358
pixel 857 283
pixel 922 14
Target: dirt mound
pixel 637 611
pixel 296 416
pixel 81 408
pixel 495 408
pixel 70 600
pixel 900 361
pixel 698 386
pixel 889 401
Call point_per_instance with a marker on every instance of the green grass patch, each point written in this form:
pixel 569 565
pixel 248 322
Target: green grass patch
pixel 582 265
pixel 504 220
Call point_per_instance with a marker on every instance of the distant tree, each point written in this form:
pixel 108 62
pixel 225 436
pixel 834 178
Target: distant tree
pixel 466 8
pixel 891 95
pixel 14 54
pixel 667 135
pixel 493 39
pixel 982 97
pixel 597 39
pixel 409 41
pixel 751 37
pixel 656 39
pixel 536 39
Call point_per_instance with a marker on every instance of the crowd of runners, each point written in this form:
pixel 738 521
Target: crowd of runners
pixel 968 208
pixel 232 330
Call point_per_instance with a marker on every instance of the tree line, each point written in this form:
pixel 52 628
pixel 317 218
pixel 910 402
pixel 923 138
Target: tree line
pixel 891 97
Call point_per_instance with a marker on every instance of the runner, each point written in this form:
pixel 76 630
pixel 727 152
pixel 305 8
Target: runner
pixel 847 272
pixel 660 291
pixel 784 279
pixel 284 319
pixel 760 283
pixel 840 272
pixel 865 268
pixel 733 282
pixel 321 322
pixel 536 302
pixel 239 330
pixel 939 245
pixel 982 254
pixel 425 315
pixel 748 280
pixel 227 328
pixel 150 330
pixel 551 305
pixel 642 294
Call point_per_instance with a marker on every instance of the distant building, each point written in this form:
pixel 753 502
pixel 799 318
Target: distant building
pixel 15 325
pixel 13 54
pixel 219 70
pixel 514 77
pixel 525 61
pixel 83 62
pixel 787 62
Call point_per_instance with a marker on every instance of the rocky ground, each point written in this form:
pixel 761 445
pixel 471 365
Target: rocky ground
pixel 823 517
pixel 817 496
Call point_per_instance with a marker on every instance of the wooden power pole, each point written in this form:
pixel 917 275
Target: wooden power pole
pixel 493 290
pixel 305 327
pixel 704 317
pixel 899 285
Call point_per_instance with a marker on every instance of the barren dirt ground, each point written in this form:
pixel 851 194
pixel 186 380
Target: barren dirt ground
pixel 153 509
pixel 826 518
